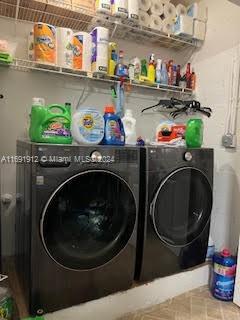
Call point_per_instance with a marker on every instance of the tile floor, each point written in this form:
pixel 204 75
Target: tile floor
pixel 194 305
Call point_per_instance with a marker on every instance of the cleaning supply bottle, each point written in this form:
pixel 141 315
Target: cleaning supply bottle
pixel 50 124
pixel 164 74
pixel 174 76
pixel 178 75
pixel 158 70
pixel 151 69
pixel 121 69
pixel 137 68
pixel 188 75
pixel 114 132
pixel 144 70
pixel 129 124
pixel 194 133
pixel 193 80
pixel 112 58
pixel 170 72
pixel 224 273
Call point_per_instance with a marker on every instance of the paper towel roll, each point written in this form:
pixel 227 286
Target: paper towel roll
pixel 164 1
pixel 156 22
pixel 168 26
pixel 169 11
pixel 100 42
pixel 181 9
pixel 145 5
pixel 82 51
pixel 144 18
pixel 156 8
pixel 44 43
pixel 64 47
pixel 133 10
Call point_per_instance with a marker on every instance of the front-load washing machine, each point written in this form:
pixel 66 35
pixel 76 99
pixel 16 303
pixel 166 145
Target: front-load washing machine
pixel 76 222
pixel 175 209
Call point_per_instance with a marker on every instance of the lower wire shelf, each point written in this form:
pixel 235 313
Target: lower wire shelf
pixel 27 65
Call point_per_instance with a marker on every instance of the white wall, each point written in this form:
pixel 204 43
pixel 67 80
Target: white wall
pixel 213 65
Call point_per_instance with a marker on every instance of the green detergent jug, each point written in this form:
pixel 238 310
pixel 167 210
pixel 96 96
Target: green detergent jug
pixel 51 124
pixel 194 133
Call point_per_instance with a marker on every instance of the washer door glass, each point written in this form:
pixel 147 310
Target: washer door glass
pixel 88 220
pixel 182 207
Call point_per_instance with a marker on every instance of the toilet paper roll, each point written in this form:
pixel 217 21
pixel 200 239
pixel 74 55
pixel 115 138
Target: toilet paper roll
pixel 167 25
pixel 164 1
pixel 169 11
pixel 144 18
pixel 181 9
pixel 82 51
pixel 144 5
pixel 156 22
pixel 156 8
pixel 65 47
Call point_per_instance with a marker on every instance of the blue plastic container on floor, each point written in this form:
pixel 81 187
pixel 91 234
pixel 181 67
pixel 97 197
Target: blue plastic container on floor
pixel 224 272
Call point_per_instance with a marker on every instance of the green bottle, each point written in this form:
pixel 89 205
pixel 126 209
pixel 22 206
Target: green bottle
pixel 51 124
pixel 144 69
pixel 194 133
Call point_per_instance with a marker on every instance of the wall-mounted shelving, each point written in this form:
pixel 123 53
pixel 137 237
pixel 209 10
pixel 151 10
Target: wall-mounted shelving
pixel 63 14
pixel 25 65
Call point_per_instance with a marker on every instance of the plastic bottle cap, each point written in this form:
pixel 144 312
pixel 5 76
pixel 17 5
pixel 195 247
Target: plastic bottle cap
pixel 109 109
pixel 226 253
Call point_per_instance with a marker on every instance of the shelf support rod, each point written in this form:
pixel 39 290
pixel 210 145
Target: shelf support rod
pixel 114 30
pixel 17 10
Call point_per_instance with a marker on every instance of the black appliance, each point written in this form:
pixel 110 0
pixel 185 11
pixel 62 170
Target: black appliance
pixel 76 222
pixel 175 209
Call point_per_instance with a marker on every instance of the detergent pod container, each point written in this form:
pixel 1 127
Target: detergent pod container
pixel 114 132
pixel 50 124
pixel 88 126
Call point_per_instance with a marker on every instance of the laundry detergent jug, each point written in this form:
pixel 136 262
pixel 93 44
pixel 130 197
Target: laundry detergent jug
pixel 224 272
pixel 114 132
pixel 51 124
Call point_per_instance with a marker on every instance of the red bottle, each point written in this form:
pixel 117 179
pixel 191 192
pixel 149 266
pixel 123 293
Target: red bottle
pixel 170 73
pixel 188 75
pixel 193 80
pixel 178 75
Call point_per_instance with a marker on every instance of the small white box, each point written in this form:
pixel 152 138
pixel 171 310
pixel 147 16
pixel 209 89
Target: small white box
pixel 199 30
pixel 198 11
pixel 184 26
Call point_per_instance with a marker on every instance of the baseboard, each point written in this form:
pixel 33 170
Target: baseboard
pixel 140 297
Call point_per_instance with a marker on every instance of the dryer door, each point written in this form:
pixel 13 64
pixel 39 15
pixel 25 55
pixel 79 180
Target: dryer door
pixel 182 206
pixel 88 220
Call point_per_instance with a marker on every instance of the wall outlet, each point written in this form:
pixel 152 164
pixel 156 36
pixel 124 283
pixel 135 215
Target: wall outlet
pixel 229 140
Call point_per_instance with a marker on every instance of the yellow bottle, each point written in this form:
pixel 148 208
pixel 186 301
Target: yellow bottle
pixel 151 69
pixel 111 62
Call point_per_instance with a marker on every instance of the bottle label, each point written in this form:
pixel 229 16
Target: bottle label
pixel 6 308
pixel 113 130
pixel 225 271
pixel 58 127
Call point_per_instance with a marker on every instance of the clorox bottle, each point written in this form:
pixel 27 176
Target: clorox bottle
pixel 51 124
pixel 224 272
pixel 114 132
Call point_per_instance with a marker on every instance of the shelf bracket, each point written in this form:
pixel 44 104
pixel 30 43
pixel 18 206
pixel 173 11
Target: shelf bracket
pixel 114 30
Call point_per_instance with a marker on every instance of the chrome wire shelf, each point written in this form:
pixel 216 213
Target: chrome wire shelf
pixel 62 14
pixel 26 65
